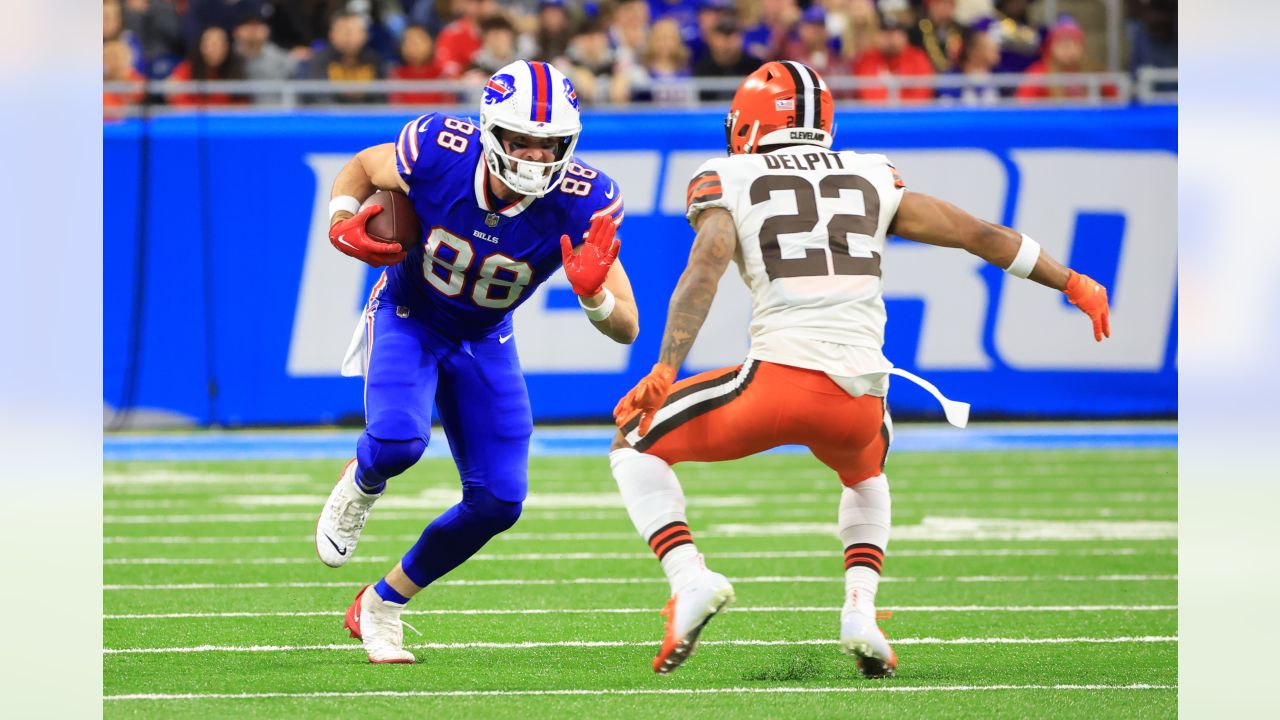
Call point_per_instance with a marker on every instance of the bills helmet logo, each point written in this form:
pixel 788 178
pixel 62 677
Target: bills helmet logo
pixel 499 88
pixel 570 93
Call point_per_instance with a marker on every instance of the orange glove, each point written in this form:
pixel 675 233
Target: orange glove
pixel 1085 293
pixel 645 398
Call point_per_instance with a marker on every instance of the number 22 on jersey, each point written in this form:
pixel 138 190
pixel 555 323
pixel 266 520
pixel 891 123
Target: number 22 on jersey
pixel 805 221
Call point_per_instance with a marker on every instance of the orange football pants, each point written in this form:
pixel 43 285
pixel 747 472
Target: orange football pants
pixel 739 411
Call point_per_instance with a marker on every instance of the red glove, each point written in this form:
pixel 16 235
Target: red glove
pixel 588 269
pixel 350 237
pixel 1085 293
pixel 646 397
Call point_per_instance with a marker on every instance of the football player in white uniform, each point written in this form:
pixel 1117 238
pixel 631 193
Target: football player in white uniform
pixel 806 226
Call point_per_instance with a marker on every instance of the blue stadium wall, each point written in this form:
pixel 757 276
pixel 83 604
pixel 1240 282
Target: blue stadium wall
pixel 224 303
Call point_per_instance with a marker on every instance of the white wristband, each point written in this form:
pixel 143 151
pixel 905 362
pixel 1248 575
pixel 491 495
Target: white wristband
pixel 343 203
pixel 1025 261
pixel 601 311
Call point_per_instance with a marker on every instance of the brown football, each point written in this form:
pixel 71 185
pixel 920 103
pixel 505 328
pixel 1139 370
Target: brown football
pixel 397 223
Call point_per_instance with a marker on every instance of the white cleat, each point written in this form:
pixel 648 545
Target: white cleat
pixel 342 520
pixel 687 613
pixel 863 639
pixel 377 624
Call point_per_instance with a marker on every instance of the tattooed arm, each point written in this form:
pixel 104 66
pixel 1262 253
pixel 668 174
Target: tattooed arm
pixel 712 250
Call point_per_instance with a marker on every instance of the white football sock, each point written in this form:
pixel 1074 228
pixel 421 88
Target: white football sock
pixel 656 505
pixel 865 511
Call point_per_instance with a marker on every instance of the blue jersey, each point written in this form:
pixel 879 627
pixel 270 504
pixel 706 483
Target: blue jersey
pixel 478 261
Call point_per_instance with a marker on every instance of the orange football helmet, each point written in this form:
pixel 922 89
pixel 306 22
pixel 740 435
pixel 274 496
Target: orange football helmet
pixel 781 103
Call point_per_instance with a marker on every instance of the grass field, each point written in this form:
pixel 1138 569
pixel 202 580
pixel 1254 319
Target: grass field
pixel 1022 584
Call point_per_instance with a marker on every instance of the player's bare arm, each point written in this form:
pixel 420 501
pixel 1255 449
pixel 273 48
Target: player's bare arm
pixel 602 287
pixel 369 170
pixel 926 219
pixel 623 324
pixel 713 248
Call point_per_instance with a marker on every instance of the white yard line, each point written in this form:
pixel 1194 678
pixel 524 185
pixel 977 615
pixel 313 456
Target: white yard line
pixel 930 529
pixel 632 643
pixel 438 501
pixel 559 557
pixel 173 477
pixel 353 586
pixel 650 611
pixel 632 691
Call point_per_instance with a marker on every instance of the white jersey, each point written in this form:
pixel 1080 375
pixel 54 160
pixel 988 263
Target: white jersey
pixel 811 231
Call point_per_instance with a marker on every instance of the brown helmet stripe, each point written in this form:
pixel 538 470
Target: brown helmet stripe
pixel 803 116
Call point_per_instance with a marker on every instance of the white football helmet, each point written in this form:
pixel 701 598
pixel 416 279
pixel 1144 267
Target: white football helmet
pixel 536 99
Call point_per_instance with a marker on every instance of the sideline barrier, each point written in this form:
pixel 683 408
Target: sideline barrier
pixel 237 310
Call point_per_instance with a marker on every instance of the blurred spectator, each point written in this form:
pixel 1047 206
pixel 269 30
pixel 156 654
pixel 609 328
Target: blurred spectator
pixel 300 26
pixel 117 66
pixel 777 20
pixel 550 41
pixel 113 29
pixel 938 34
pixel 263 59
pixel 1152 31
pixel 858 28
pixel 460 39
pixel 978 56
pixel 1063 55
pixel 709 13
pixel 156 25
pixel 212 59
pixel 346 59
pixel 497 48
pixel 199 15
pixel 727 58
pixel 431 15
pixel 418 64
pixel 629 31
pixel 684 12
pixel 900 10
pixel 1019 39
pixel 663 78
pixel 892 55
pixel 593 64
pixel 812 46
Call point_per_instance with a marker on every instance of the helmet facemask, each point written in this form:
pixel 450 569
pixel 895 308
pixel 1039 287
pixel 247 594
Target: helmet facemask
pixel 526 177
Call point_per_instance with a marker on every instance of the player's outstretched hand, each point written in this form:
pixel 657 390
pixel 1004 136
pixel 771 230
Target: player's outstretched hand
pixel 1085 293
pixel 588 269
pixel 351 238
pixel 646 397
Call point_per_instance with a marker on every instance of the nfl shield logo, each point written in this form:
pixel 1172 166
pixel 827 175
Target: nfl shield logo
pixel 491 220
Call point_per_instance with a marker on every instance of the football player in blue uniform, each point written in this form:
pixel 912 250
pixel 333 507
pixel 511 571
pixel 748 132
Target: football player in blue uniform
pixel 502 205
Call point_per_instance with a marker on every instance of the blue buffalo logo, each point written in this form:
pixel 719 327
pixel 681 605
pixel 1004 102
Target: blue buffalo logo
pixel 570 93
pixel 499 88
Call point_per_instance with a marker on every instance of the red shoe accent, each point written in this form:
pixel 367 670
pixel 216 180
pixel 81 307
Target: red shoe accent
pixel 352 620
pixel 390 662
pixel 669 640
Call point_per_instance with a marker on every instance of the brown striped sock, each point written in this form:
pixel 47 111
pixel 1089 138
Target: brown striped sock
pixel 863 555
pixel 669 537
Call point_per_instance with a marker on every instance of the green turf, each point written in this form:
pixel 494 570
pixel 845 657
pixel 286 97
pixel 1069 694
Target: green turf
pixel 228 524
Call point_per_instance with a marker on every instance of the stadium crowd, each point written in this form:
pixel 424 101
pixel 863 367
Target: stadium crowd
pixel 615 51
